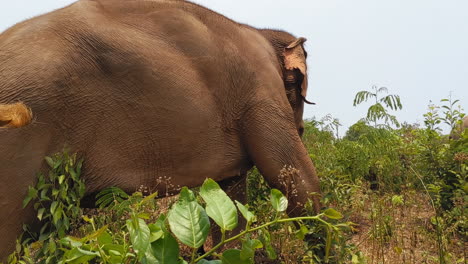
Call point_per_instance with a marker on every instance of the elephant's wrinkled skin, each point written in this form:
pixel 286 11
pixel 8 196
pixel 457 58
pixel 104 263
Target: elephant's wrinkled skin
pixel 147 89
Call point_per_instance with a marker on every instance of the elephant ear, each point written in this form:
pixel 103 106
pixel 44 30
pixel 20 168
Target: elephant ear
pixel 294 58
pixel 14 115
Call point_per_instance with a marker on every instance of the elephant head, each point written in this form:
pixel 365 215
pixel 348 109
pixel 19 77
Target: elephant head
pixel 292 58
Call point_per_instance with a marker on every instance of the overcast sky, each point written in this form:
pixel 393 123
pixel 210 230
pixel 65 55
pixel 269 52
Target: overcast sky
pixel 418 48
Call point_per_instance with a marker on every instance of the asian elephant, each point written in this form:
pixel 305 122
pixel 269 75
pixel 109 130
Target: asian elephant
pixel 149 89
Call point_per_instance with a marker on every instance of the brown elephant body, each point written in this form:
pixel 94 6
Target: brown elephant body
pixel 149 90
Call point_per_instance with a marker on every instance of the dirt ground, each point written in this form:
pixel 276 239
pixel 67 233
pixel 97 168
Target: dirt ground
pixel 405 236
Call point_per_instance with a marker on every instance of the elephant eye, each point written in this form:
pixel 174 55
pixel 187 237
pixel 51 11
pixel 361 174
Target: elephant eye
pixel 290 79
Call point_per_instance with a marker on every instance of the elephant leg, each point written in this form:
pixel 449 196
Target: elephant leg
pixel 12 218
pixel 273 142
pixel 22 153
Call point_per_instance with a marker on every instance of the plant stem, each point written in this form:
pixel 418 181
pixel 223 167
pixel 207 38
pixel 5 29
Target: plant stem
pixel 438 231
pixel 285 220
pixel 193 256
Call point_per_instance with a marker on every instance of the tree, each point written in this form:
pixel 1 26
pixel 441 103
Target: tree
pixel 379 110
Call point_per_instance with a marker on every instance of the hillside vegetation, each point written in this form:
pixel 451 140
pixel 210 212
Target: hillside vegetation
pixel 392 192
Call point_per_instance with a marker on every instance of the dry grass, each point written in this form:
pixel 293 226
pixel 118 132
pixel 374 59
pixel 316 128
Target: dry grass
pixel 413 237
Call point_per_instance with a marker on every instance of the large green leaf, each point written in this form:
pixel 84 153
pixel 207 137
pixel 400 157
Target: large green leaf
pixel 188 220
pixel 166 249
pixel 278 200
pixel 218 205
pixel 139 236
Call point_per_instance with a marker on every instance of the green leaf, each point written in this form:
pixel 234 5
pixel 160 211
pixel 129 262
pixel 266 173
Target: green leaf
pixel 139 236
pixel 301 232
pixel 96 234
pixel 40 213
pixel 32 194
pixel 397 200
pixel 72 242
pixel 107 196
pixel 61 179
pixel 232 256
pixel 148 258
pixel 104 239
pixel 218 205
pixel 115 252
pixel 265 238
pixel 362 96
pixel 166 250
pixel 50 161
pixel 52 245
pixel 149 198
pixel 249 216
pixel 248 248
pixel 278 200
pixel 186 195
pixel 158 228
pixel 53 207
pixel 78 256
pixel 155 232
pixel 143 215
pixel 188 220
pixel 332 214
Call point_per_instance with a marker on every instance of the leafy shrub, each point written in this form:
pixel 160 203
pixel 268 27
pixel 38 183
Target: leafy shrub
pixel 56 199
pixel 135 237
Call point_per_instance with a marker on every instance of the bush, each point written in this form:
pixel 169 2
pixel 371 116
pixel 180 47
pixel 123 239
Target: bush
pixel 126 230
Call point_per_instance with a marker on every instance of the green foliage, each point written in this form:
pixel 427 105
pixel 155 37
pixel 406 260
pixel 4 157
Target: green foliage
pixel 453 113
pixel 110 196
pixel 391 162
pixel 219 206
pixel 279 202
pixel 142 240
pixel 189 221
pixel 56 199
pixel 378 111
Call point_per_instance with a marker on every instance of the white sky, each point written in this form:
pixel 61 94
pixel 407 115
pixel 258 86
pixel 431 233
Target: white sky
pixel 418 48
